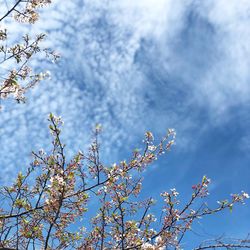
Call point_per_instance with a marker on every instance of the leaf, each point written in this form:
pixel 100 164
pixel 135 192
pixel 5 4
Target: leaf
pixel 231 208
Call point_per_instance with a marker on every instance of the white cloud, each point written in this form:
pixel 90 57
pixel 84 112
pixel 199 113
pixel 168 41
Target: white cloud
pixel 227 81
pixel 102 80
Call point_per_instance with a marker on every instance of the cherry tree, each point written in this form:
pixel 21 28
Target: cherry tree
pixel 83 203
pixel 17 74
pixel 51 205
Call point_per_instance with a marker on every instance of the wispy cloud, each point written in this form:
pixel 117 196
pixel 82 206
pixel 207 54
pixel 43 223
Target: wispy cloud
pixel 134 66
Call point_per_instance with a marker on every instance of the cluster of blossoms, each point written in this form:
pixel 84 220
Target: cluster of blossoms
pixel 158 245
pixel 46 213
pixel 3 34
pixel 28 12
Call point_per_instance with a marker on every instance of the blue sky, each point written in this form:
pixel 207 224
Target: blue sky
pixel 147 65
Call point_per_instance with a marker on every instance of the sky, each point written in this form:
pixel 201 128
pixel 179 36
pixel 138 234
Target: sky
pixel 142 65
